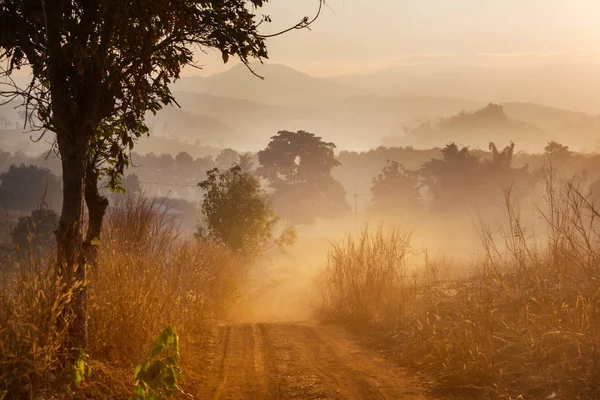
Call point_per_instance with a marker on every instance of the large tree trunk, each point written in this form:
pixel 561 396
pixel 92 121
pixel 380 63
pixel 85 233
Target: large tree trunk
pixel 74 149
pixel 96 205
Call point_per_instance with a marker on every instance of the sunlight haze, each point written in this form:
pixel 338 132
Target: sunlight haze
pixel 358 36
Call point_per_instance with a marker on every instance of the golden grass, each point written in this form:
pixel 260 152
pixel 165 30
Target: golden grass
pixel 527 321
pixel 147 276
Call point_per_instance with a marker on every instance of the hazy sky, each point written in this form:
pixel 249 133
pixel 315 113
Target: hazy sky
pixel 354 36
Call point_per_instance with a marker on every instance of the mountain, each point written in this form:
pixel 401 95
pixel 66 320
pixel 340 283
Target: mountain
pixel 281 86
pixel 555 82
pixel 172 122
pixel 477 129
pixel 577 129
pixel 237 109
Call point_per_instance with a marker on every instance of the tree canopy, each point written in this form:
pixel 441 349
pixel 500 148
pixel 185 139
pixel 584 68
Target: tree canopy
pixel 395 189
pixel 297 166
pixel 461 179
pixel 36 231
pixel 26 187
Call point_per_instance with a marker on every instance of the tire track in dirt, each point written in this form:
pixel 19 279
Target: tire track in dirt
pixel 301 361
pixel 238 376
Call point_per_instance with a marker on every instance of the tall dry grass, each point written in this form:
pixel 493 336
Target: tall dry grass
pixel 147 276
pixel 525 323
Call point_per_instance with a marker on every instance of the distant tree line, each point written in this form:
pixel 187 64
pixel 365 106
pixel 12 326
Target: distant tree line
pixel 304 180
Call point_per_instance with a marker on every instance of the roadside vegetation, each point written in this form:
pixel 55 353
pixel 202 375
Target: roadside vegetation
pixel 524 321
pixel 147 277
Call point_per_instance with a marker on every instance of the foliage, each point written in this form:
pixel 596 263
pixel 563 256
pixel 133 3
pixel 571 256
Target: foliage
pixel 237 213
pixel 557 152
pixel 122 57
pixel 395 189
pixel 460 175
pixel 227 159
pixel 156 377
pixel 131 184
pixel 25 187
pixel 297 166
pixel 81 369
pixel 488 116
pixel 36 231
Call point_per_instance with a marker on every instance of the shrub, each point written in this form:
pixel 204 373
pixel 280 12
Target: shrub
pixel 36 231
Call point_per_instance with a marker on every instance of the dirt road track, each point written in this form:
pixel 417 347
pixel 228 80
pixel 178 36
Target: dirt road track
pixel 298 361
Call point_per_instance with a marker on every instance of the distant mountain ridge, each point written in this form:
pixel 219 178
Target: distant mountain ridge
pixel 237 109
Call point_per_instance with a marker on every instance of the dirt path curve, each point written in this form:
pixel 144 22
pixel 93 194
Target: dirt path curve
pixel 298 361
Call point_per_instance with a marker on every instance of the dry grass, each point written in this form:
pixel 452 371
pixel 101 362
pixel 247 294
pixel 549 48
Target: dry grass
pixel 147 277
pixel 525 323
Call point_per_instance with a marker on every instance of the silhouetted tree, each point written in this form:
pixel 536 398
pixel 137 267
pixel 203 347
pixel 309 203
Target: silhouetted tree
pixel 557 152
pixel 395 189
pixel 227 159
pixel 27 186
pixel 449 179
pixel 460 179
pixel 183 161
pixel 246 162
pixel 36 231
pixel 131 184
pixel 298 167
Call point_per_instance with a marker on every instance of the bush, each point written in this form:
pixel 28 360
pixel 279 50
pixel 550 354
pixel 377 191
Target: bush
pixel 26 187
pixel 36 231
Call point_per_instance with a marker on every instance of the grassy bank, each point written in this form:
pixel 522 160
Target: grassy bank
pixel 147 276
pixel 525 322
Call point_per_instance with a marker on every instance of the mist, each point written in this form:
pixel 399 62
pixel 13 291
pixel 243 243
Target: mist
pixel 396 200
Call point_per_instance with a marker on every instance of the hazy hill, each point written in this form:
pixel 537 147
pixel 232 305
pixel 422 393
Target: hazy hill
pixel 475 128
pixel 578 129
pixel 202 129
pixel 282 86
pixel 556 82
pixel 237 109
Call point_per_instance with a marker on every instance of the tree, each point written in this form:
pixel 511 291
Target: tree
pixel 452 177
pixel 25 187
pixel 36 231
pixel 183 161
pixel 557 152
pixel 246 162
pixel 298 167
pixel 236 212
pixel 227 159
pixel 460 179
pixel 132 185
pixel 97 68
pixel 395 189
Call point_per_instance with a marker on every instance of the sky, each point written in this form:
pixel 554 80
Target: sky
pixel 358 36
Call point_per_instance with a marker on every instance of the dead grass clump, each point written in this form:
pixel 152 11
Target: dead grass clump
pixel 148 277
pixel 31 300
pixel 525 323
pixel 365 277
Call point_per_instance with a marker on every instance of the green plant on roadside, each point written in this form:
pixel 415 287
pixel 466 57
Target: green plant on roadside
pixel 81 369
pixel 157 376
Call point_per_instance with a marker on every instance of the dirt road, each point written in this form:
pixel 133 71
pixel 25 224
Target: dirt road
pixel 298 361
